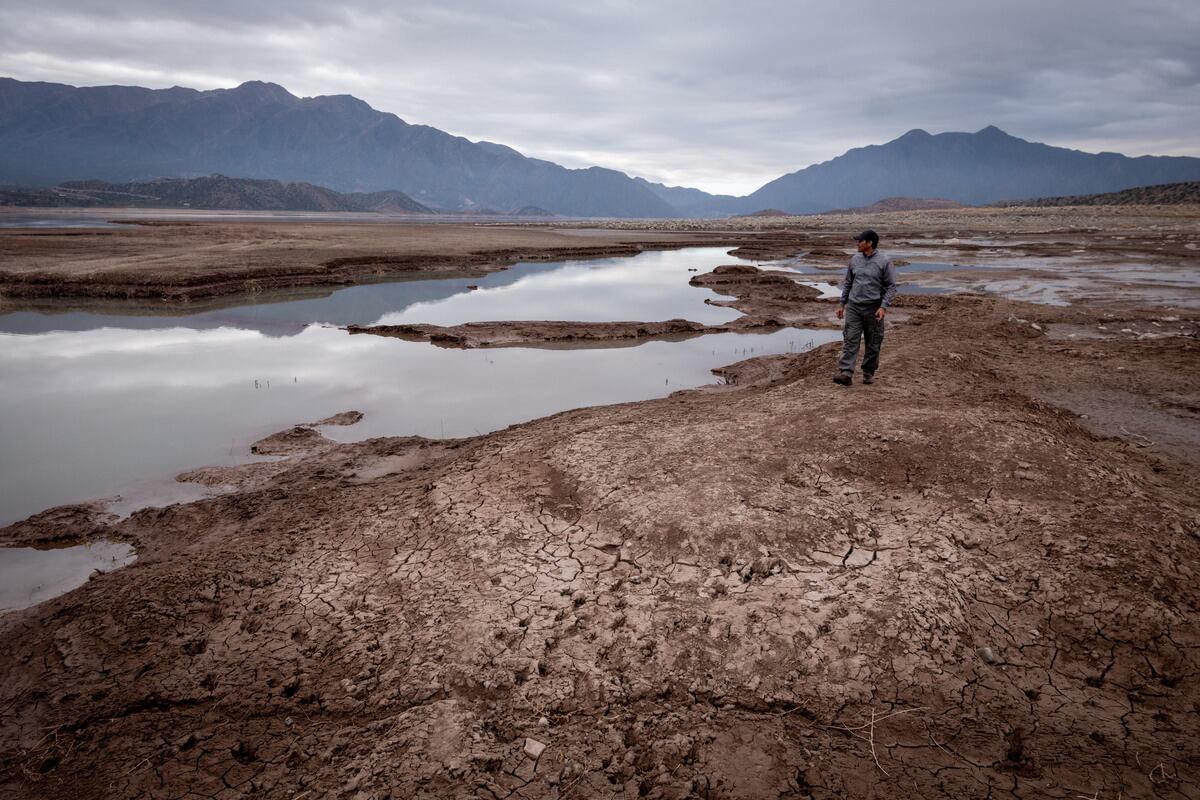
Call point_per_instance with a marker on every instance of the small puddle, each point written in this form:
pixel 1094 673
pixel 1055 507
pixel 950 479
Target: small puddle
pixel 31 575
pixel 58 222
pixel 829 291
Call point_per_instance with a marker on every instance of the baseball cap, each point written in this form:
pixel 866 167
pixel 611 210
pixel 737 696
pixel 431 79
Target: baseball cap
pixel 868 236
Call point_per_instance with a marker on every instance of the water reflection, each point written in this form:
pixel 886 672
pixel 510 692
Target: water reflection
pixel 648 287
pixel 88 413
pixel 97 403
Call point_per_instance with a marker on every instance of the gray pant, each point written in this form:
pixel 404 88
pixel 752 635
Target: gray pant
pixel 860 324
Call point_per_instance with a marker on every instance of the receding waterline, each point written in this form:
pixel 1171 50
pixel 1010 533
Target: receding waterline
pixel 101 408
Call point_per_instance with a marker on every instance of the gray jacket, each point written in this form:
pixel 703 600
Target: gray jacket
pixel 869 281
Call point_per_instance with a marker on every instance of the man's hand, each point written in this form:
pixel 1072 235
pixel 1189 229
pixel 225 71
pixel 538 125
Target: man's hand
pixel 878 314
pixel 841 311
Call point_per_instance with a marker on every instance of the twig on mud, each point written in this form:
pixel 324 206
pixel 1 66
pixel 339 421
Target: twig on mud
pixel 1149 441
pixel 564 792
pixel 1161 768
pixel 131 770
pixel 869 726
pixel 872 736
pixel 935 741
pixel 875 719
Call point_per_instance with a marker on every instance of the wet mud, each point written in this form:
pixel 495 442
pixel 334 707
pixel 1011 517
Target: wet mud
pixel 961 581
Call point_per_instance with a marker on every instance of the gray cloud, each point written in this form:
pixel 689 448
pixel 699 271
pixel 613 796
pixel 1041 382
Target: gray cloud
pixel 719 95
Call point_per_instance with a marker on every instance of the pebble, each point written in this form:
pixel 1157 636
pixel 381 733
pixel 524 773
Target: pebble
pixel 987 655
pixel 534 748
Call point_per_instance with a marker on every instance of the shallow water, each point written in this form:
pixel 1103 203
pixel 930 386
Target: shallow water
pixel 114 405
pixel 58 222
pixel 649 287
pixel 29 575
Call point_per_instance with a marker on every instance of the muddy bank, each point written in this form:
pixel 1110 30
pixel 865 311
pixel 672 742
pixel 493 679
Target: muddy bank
pixel 959 582
pixel 767 300
pixel 178 262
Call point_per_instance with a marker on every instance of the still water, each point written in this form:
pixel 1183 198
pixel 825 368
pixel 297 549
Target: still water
pixel 649 287
pixel 30 575
pixel 94 405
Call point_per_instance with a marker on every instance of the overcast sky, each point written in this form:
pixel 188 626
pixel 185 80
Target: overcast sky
pixel 723 96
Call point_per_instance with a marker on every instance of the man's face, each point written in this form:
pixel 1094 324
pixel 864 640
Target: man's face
pixel 864 246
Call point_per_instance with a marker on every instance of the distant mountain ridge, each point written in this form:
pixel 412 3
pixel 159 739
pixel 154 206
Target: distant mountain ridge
pixel 215 192
pixel 50 133
pixel 970 168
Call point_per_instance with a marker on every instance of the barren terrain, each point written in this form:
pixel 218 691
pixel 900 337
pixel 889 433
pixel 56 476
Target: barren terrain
pixel 176 261
pixel 975 578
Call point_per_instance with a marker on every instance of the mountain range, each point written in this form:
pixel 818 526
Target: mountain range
pixel 53 133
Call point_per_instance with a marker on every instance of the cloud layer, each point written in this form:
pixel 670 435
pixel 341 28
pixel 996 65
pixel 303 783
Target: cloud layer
pixel 718 95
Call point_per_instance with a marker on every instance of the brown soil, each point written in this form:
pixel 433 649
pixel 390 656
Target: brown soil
pixel 962 581
pixel 179 262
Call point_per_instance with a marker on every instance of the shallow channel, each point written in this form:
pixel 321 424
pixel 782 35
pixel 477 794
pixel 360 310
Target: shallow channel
pixel 96 405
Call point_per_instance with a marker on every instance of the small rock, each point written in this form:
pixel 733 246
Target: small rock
pixel 987 655
pixel 534 748
pixel 544 722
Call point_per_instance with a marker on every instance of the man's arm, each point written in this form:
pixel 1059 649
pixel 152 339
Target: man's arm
pixel 846 281
pixel 890 287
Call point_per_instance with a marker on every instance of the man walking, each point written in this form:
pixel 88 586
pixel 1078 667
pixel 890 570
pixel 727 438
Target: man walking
pixel 867 290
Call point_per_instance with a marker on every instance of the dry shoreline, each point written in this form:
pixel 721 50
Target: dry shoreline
pixel 976 577
pixel 175 263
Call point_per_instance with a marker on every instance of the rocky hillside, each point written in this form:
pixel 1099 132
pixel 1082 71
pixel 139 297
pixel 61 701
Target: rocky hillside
pixel 212 192
pixel 1163 194
pixel 901 204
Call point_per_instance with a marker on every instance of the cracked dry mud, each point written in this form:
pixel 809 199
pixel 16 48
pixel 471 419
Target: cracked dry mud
pixel 949 584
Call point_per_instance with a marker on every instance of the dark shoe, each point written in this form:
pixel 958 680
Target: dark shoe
pixel 843 378
pixel 868 377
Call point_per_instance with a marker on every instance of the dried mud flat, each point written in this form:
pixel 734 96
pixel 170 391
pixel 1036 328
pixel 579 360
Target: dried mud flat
pixel 975 578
